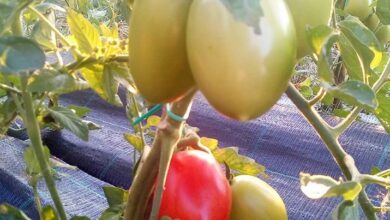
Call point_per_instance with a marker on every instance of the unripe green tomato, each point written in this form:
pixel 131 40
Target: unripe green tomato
pixel 359 8
pixel 240 72
pixel 383 34
pixel 308 13
pixel 157 49
pixel 255 199
pixel 372 22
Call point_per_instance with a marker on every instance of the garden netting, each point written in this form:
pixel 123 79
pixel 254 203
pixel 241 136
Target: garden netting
pixel 281 140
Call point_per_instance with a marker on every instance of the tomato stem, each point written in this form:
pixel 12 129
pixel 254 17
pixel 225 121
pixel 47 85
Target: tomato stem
pixel 167 136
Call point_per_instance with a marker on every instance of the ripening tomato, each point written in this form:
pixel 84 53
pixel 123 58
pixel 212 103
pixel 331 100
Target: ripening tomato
pixel 157 51
pixel 241 72
pixel 359 8
pixel 255 199
pixel 196 188
pixel 372 22
pixel 308 13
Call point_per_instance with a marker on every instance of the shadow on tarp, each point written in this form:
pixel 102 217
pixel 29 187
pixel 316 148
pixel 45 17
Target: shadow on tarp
pixel 81 193
pixel 281 140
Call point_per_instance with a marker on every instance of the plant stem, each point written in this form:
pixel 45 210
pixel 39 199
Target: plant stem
pixel 320 95
pixel 34 134
pixel 91 60
pixel 372 179
pixel 44 19
pixel 330 139
pixel 382 209
pixel 10 88
pixel 167 134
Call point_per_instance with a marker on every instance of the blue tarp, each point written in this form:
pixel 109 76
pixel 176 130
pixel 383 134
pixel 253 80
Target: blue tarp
pixel 281 140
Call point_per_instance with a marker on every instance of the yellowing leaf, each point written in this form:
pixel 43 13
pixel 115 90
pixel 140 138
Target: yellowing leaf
pixel 86 35
pixel 134 140
pixel 153 121
pixel 210 143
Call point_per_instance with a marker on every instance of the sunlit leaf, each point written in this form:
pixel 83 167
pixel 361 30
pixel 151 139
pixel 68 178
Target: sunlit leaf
pixel 135 141
pixel 210 143
pixel 48 213
pixel 153 121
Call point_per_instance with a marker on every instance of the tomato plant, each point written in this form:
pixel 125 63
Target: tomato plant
pixel 241 72
pixel 255 199
pixel 158 55
pixel 308 13
pixel 196 188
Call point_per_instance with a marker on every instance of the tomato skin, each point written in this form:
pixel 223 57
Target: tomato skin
pixel 372 22
pixel 383 34
pixel 255 199
pixel 196 188
pixel 157 51
pixel 241 73
pixel 308 13
pixel 359 8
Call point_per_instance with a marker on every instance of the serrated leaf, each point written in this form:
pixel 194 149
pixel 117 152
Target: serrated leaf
pixel 153 121
pixel 346 210
pixel 237 162
pixel 32 164
pixel 19 54
pixel 354 93
pixel 383 110
pixel 383 11
pixel 48 213
pixel 318 186
pixel 60 83
pixel 210 143
pixel 135 141
pixel 69 120
pixel 248 12
pixel 86 35
pixel 11 213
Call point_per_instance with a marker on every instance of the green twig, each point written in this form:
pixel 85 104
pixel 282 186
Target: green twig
pixel 33 131
pixel 372 179
pixel 318 97
pixel 10 88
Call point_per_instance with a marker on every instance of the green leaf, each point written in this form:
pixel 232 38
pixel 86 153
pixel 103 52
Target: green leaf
pixel 354 93
pixel 364 42
pixel 342 113
pixel 318 186
pixel 383 110
pixel 122 75
pixel 93 74
pixel 346 210
pixel 59 83
pixel 135 141
pixel 318 36
pixel 110 214
pixel 19 54
pixel 86 35
pixel 383 11
pixel 80 111
pixel 351 59
pixel 11 213
pixel 69 120
pixel 237 162
pixel 116 197
pixel 48 213
pixel 5 13
pixel 375 170
pixel 32 163
pixel 248 12
pixel 43 33
pixel 110 85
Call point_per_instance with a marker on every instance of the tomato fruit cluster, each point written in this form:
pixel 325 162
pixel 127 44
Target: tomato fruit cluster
pixel 176 45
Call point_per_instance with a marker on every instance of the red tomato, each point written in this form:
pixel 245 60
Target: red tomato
pixel 196 188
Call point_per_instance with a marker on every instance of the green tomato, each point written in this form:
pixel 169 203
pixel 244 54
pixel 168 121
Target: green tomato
pixel 372 22
pixel 359 8
pixel 308 13
pixel 383 34
pixel 157 49
pixel 255 199
pixel 241 73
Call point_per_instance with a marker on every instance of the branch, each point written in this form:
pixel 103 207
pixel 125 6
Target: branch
pixel 167 136
pixel 372 179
